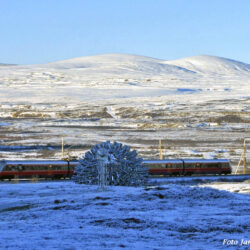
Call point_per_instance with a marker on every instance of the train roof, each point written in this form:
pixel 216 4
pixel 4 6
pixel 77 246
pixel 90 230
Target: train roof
pixel 205 160
pixel 187 161
pixel 30 162
pixel 163 161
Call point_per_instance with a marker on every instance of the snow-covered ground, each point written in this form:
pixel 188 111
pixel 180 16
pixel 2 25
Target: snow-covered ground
pixel 64 215
pixel 198 106
pixel 238 187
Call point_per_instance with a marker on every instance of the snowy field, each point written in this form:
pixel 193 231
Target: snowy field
pixel 198 106
pixel 64 215
pixel 240 187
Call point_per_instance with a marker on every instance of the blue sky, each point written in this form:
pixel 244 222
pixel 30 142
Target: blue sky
pixel 39 31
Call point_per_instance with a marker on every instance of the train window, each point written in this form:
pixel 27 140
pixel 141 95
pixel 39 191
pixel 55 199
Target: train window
pixel 63 167
pixel 27 167
pixel 12 168
pixel 8 168
pixel 56 167
pixel 168 165
pixel 42 167
pixel 20 168
pixel 213 165
pixel 31 167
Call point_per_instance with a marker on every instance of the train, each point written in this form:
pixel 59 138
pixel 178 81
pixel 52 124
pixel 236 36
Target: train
pixel 174 167
pixel 57 169
pixel 52 169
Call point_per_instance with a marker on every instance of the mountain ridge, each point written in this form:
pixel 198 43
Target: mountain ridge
pixel 198 64
pixel 129 63
pixel 210 63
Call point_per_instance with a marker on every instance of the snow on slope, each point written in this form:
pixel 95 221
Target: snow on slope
pixel 137 67
pixel 211 64
pixel 117 64
pixel 122 62
pixel 116 76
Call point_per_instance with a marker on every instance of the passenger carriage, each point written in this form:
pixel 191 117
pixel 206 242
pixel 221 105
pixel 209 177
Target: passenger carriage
pixel 10 169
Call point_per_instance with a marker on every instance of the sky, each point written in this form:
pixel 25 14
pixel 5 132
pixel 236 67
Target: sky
pixel 34 32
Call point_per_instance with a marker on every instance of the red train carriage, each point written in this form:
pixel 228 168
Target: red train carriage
pixel 40 169
pixel 188 166
pixel 205 166
pixel 164 167
pixel 62 169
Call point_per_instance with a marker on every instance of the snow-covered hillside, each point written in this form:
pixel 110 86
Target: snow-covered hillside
pixel 212 64
pixel 127 76
pixel 141 64
pixel 117 64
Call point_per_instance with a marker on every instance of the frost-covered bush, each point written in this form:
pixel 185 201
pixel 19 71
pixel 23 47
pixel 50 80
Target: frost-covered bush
pixel 123 168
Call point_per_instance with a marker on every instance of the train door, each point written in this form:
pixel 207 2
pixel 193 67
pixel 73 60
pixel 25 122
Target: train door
pixel 50 171
pixel 68 172
pixel 220 169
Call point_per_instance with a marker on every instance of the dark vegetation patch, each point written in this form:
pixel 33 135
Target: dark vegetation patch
pixel 132 220
pixel 59 201
pixel 227 228
pixel 160 196
pixel 122 246
pixel 47 238
pixel 103 204
pixel 98 221
pixel 160 188
pixel 187 194
pixel 17 208
pixel 101 198
pixel 67 207
pixel 87 114
pixel 228 119
pixel 59 207
pixel 136 223
pixel 188 229
pixel 125 223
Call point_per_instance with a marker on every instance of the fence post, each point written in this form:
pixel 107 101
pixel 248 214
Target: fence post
pixel 160 149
